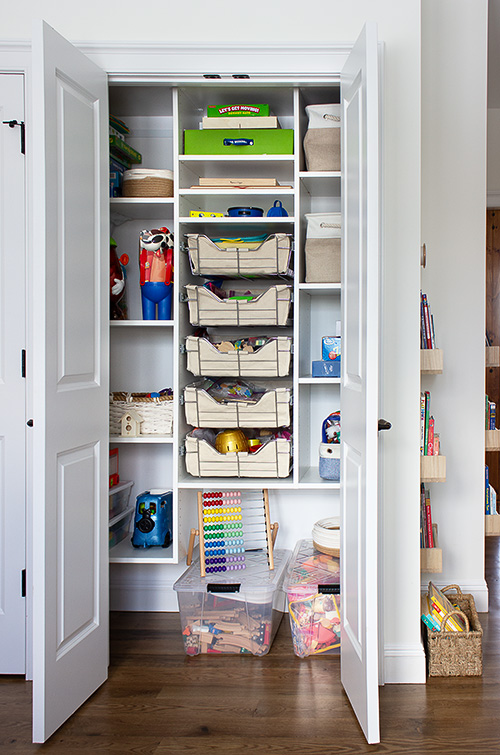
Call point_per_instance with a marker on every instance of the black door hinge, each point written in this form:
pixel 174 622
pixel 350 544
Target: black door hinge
pixel 23 583
pixel 11 124
pixel 23 363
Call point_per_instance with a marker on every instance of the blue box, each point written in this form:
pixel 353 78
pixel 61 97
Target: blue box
pixel 330 347
pixel 326 368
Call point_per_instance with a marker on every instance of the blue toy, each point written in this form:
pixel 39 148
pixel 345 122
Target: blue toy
pixel 153 519
pixel 277 210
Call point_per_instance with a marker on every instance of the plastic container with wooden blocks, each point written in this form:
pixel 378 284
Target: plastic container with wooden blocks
pixel 233 611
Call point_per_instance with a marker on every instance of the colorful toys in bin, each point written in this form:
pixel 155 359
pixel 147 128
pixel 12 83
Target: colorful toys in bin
pixel 153 519
pixel 156 249
pixel 329 448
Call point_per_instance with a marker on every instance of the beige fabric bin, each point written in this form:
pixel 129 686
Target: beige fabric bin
pixel 322 138
pixel 270 307
pixel 270 360
pixel 271 410
pixel 142 182
pixel 272 460
pixel 270 257
pixel 323 248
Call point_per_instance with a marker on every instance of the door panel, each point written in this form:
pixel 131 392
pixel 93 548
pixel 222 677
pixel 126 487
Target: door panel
pixel 70 381
pixel 12 384
pixel 360 317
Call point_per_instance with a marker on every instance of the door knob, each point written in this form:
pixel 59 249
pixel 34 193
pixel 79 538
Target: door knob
pixel 383 424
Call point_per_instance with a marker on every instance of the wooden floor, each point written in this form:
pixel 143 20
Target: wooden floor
pixel 158 700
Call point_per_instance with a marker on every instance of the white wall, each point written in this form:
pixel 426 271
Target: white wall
pixel 493 157
pixel 453 227
pixel 285 21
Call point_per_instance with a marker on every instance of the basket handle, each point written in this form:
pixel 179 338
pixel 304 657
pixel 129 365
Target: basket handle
pixel 450 587
pixel 453 613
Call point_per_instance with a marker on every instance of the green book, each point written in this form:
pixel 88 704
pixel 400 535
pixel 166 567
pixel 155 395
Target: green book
pixel 226 111
pixel 121 148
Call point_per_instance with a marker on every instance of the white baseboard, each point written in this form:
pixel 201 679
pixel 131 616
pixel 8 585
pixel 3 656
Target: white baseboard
pixel 404 664
pixel 142 595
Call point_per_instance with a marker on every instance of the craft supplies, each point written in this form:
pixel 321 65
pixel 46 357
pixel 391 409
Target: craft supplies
pixel 236 611
pixel 312 585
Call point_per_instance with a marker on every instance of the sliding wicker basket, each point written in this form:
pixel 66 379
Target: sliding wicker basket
pixel 156 413
pixel 456 653
pixel 141 182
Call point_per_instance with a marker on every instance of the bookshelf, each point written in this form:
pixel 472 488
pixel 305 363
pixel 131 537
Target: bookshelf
pixel 431 559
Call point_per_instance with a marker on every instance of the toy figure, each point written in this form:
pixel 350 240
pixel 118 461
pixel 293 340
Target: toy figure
pixel 156 265
pixel 118 308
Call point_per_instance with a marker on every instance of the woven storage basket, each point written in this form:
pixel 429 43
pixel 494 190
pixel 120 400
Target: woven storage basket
pixel 141 182
pixel 156 413
pixel 456 653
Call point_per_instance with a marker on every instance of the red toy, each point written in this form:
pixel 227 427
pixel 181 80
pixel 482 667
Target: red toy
pixel 117 310
pixel 156 268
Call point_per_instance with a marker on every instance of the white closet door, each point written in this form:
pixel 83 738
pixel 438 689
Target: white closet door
pixel 12 383
pixel 360 316
pixel 70 300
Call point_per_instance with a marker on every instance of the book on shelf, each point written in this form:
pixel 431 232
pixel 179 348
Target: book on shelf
pixel 440 606
pixel 118 147
pixel 426 532
pixel 429 439
pixel 490 413
pixel 427 335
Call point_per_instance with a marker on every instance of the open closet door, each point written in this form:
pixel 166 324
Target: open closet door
pixel 68 370
pixel 360 317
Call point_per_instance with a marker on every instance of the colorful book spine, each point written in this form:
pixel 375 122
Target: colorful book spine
pixel 492 412
pixel 428 520
pixel 426 420
pixel 430 438
pixel 493 500
pixel 422 422
pixel 486 489
pixel 437 444
pixel 121 148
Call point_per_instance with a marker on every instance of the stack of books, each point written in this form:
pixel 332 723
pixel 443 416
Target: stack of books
pixel 490 494
pixel 490 414
pixel 426 532
pixel 121 154
pixel 435 607
pixel 429 439
pixel 427 336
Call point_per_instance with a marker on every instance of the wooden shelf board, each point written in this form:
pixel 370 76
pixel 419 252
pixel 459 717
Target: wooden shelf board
pixel 431 361
pixel 492 356
pixel 492 524
pixel 492 440
pixel 431 560
pixel 433 468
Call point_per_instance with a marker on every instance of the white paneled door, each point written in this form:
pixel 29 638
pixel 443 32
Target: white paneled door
pixel 69 285
pixel 360 317
pixel 12 383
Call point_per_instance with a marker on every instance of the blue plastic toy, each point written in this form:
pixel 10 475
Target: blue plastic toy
pixel 277 210
pixel 153 519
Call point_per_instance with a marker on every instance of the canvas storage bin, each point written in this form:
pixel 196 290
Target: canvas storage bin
pixel 271 460
pixel 270 307
pixel 329 461
pixel 156 412
pixel 270 360
pixel 270 257
pixel 322 138
pixel 143 182
pixel 322 247
pixel 202 410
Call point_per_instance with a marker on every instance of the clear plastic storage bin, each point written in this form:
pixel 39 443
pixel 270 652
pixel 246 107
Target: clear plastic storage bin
pixel 312 585
pixel 233 611
pixel 119 497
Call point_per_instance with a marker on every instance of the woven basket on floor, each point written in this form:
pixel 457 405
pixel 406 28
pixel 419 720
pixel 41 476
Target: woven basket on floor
pixel 141 182
pixel 156 413
pixel 456 653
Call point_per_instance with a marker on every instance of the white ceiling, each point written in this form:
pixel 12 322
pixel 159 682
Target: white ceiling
pixel 494 54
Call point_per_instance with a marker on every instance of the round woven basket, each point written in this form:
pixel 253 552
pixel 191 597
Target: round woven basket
pixel 326 536
pixel 147 183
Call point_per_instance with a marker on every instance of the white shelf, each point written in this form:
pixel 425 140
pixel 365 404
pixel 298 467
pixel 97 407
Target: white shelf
pixel 234 483
pixel 240 221
pixel 236 158
pixel 320 288
pixel 141 323
pixel 141 439
pixel 125 553
pixel 311 479
pixel 137 208
pixel 319 380
pixel 271 191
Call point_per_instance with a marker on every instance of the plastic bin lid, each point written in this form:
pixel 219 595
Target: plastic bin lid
pixel 256 583
pixel 308 567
